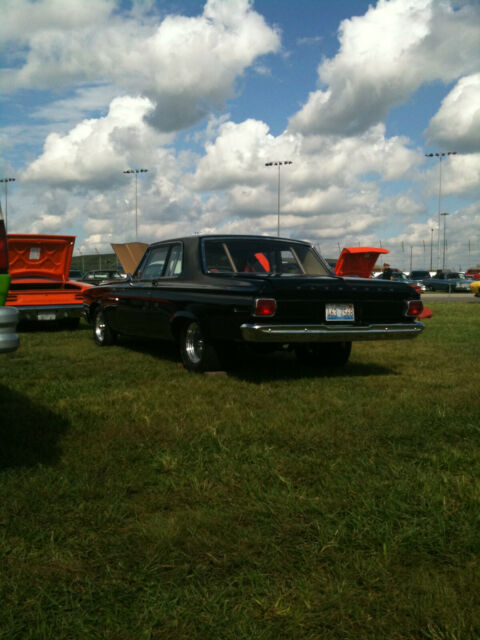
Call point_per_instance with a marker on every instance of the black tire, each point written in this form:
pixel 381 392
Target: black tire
pixel 330 354
pixel 102 334
pixel 197 353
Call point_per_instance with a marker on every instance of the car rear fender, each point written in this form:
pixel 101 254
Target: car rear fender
pixel 179 320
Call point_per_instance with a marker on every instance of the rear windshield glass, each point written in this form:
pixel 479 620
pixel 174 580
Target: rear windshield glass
pixel 245 255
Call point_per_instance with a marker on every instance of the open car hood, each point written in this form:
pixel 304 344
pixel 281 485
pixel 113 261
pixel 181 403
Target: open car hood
pixel 358 261
pixel 130 254
pixel 40 256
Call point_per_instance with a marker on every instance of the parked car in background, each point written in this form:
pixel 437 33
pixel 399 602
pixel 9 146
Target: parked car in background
pixel 399 276
pixel 473 273
pixel 101 276
pixel 8 315
pixel 209 293
pixel 451 281
pixel 40 287
pixel 419 274
pixel 475 287
pixel 75 274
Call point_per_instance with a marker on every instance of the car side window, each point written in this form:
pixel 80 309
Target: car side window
pixel 217 259
pixel 174 265
pixel 154 263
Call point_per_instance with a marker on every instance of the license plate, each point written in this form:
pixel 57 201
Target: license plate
pixel 46 316
pixel 340 311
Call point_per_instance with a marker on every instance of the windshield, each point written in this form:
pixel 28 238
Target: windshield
pixel 258 256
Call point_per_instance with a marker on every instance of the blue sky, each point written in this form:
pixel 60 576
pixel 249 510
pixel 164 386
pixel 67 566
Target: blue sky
pixel 203 94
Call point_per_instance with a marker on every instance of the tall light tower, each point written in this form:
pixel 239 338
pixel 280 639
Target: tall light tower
pixel 136 172
pixel 431 249
pixel 444 238
pixel 440 156
pixel 6 181
pixel 278 164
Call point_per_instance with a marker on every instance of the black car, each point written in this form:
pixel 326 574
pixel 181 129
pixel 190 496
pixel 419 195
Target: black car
pixel 419 274
pixel 209 292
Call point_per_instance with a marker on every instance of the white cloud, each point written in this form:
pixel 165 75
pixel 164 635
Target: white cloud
pixel 97 150
pixel 187 66
pixel 385 56
pixel 457 123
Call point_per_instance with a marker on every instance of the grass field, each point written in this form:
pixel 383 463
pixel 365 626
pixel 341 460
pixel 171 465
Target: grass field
pixel 139 501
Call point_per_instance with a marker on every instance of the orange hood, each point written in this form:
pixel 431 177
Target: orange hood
pixel 40 256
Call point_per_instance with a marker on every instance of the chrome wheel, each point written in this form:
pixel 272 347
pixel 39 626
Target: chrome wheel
pixel 197 352
pixel 194 343
pixel 102 334
pixel 99 328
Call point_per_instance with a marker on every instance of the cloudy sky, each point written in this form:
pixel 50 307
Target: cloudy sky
pixel 204 94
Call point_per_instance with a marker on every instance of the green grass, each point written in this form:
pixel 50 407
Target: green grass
pixel 140 501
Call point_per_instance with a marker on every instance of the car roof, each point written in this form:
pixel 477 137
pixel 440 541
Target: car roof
pixel 226 236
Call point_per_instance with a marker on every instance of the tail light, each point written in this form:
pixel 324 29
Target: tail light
pixel 414 309
pixel 265 307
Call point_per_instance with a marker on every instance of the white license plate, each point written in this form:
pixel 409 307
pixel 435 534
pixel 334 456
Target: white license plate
pixel 46 316
pixel 340 311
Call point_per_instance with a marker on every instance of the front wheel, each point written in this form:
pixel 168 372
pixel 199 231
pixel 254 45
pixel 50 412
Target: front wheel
pixel 102 334
pixel 331 354
pixel 197 353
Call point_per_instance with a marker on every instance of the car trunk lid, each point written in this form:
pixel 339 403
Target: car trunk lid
pixel 40 256
pixel 358 261
pixel 303 299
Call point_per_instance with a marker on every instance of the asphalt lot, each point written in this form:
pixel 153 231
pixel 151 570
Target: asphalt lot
pixel 436 296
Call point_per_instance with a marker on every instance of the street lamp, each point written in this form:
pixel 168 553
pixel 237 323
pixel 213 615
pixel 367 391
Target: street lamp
pixel 136 172
pixel 6 181
pixel 431 249
pixel 278 164
pixel 440 156
pixel 444 238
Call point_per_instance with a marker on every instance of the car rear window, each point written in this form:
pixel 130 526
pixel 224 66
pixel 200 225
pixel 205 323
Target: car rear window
pixel 245 255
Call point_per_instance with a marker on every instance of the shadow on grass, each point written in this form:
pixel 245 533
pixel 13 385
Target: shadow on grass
pixel 29 433
pixel 285 366
pixel 249 366
pixel 53 326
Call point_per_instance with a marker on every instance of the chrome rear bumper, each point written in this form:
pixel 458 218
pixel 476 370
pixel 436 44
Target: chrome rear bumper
pixel 328 333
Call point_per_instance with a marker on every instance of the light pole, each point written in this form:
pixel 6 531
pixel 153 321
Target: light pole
pixel 431 249
pixel 440 156
pixel 278 164
pixel 136 172
pixel 6 181
pixel 444 238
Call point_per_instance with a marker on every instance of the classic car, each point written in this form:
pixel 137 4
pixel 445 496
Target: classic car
pixel 40 288
pixel 8 315
pixel 475 287
pixel 473 273
pixel 450 281
pixel 419 274
pixel 208 293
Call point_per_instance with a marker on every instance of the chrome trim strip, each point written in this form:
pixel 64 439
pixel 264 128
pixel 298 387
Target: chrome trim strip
pixel 328 333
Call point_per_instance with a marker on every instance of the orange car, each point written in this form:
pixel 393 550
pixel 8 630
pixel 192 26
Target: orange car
pixel 40 288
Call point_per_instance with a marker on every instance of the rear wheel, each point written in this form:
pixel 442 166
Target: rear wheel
pixel 197 353
pixel 332 354
pixel 102 334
